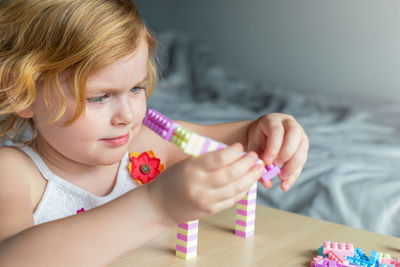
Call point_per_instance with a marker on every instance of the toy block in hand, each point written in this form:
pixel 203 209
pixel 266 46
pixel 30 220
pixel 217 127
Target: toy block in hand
pixel 190 142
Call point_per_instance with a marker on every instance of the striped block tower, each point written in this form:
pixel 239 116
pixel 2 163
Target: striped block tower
pixel 186 239
pixel 246 213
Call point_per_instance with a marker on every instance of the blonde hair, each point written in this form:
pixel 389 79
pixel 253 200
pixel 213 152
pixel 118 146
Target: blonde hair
pixel 41 39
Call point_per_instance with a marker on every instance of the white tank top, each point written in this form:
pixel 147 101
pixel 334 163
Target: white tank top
pixel 62 198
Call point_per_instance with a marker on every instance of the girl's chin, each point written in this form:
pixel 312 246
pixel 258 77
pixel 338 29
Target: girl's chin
pixel 111 158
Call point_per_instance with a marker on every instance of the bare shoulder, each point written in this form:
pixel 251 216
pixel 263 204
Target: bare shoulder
pixel 16 207
pixel 13 160
pixel 165 150
pixel 11 153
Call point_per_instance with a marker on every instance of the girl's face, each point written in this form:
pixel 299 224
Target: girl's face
pixel 115 108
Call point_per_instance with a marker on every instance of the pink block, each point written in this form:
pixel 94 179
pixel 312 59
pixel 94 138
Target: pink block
pixel 188 226
pixel 243 223
pixel 271 172
pixel 247 202
pixel 338 257
pixel 204 149
pixel 388 261
pixel 221 146
pixel 315 260
pixel 185 250
pixel 344 249
pixel 243 234
pixel 245 213
pixel 187 238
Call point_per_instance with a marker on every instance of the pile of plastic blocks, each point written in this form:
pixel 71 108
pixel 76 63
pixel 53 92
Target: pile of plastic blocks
pixel 334 254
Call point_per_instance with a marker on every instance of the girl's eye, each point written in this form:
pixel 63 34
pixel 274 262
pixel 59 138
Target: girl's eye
pixel 96 100
pixel 137 89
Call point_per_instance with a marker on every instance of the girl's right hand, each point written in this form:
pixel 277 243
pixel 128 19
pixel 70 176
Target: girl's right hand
pixel 204 185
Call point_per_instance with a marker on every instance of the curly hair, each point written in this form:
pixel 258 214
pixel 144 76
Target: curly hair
pixel 42 39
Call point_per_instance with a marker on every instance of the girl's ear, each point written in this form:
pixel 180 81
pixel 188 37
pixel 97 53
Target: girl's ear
pixel 26 113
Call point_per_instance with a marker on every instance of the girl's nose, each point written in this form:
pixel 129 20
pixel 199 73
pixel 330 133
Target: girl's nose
pixel 123 113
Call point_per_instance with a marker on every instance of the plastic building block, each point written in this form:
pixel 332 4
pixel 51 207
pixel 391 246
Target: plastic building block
pixel 360 262
pixel 186 239
pixel 360 254
pixel 375 257
pixel 160 124
pixel 344 249
pixel 246 214
pixel 329 263
pixel 191 142
pixel 315 260
pixel 387 259
pixel 321 251
pixel 336 256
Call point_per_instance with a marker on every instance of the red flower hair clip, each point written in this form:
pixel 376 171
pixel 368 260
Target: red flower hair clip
pixel 144 167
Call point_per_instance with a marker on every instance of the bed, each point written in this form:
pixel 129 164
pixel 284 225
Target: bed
pixel 351 176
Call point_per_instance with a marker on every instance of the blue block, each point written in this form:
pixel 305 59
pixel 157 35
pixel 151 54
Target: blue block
pixel 375 257
pixel 360 262
pixel 360 254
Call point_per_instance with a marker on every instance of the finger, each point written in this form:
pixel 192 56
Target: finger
pixel 228 202
pixel 298 160
pixel 267 184
pixel 235 170
pixel 239 185
pixel 292 138
pixel 275 133
pixel 288 183
pixel 224 204
pixel 220 158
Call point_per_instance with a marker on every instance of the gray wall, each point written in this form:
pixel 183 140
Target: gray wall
pixel 339 47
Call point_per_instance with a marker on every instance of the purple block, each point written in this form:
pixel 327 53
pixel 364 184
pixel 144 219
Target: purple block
pixel 204 149
pixel 271 172
pixel 221 146
pixel 243 223
pixel 187 238
pixel 243 234
pixel 160 124
pixel 188 226
pixel 245 213
pixel 328 263
pixel 165 127
pixel 185 250
pixel 247 202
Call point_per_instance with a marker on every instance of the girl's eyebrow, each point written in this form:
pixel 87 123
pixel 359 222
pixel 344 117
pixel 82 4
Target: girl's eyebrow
pixel 106 89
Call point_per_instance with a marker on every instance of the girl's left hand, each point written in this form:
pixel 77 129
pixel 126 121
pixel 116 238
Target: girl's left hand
pixel 278 138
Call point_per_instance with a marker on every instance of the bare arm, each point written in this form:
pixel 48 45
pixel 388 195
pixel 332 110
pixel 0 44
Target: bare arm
pixel 276 138
pixel 228 133
pixel 91 238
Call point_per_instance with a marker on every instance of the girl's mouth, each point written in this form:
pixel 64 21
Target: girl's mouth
pixel 117 141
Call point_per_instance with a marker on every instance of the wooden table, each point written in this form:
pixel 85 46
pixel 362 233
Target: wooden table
pixel 281 239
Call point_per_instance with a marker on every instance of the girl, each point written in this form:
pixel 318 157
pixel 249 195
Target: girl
pixel 79 72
